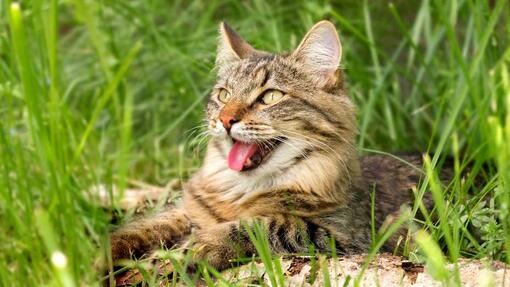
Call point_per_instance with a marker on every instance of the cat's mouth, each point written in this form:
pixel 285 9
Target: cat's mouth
pixel 247 156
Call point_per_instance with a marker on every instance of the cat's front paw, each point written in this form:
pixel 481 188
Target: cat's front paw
pixel 126 245
pixel 139 238
pixel 216 250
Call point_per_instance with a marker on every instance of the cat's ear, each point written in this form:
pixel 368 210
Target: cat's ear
pixel 231 47
pixel 320 52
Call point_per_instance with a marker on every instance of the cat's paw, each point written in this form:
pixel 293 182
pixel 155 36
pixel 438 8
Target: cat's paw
pixel 137 239
pixel 213 250
pixel 120 248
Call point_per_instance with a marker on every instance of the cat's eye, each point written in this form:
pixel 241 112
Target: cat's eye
pixel 223 96
pixel 271 97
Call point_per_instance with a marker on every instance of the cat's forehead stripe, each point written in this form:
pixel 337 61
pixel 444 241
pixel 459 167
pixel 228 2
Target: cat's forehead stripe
pixel 257 72
pixel 267 76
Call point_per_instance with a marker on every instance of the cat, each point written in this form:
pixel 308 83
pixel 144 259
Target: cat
pixel 282 154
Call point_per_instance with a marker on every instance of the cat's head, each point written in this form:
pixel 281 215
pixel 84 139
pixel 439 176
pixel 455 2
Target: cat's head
pixel 269 111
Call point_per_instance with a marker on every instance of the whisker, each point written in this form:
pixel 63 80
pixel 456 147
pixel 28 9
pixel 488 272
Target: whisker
pixel 285 141
pixel 314 143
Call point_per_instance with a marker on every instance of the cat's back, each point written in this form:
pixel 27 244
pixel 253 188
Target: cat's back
pixel 395 176
pixel 392 180
pixel 401 172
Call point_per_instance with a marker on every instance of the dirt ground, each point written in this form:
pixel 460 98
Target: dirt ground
pixel 384 270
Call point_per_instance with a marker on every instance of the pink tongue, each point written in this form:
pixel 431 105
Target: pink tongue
pixel 239 153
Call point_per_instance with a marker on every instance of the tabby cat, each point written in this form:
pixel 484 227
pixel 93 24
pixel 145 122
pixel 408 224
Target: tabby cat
pixel 281 154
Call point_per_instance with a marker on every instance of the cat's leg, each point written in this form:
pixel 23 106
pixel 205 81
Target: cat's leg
pixel 223 242
pixel 139 237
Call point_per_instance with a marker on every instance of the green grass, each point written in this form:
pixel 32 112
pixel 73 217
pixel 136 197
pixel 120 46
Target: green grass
pixel 101 92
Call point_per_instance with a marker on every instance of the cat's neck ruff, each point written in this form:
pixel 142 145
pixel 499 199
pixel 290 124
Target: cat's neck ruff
pixel 287 169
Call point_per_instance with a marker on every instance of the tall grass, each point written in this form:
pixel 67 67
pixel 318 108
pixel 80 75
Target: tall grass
pixel 95 92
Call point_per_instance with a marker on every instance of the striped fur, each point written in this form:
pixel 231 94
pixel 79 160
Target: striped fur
pixel 309 190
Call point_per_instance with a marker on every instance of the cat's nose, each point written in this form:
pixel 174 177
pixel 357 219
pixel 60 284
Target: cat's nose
pixel 228 121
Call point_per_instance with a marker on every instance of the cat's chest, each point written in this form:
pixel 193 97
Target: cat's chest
pixel 219 197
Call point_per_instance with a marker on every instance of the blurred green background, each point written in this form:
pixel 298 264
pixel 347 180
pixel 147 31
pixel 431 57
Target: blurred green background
pixel 105 92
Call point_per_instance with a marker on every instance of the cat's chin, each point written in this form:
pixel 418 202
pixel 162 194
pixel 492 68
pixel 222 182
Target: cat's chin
pixel 246 156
